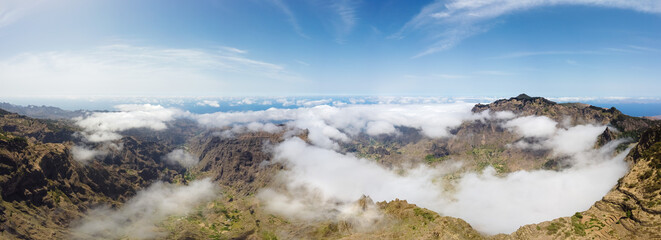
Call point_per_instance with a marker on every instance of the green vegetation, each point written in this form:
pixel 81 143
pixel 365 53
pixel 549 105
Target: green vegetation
pixel 630 134
pixel 3 136
pixel 621 147
pixel 499 166
pixel 57 195
pixel 628 213
pixel 654 155
pixel 431 159
pixel 577 226
pixel 426 214
pixel 553 228
pixel 652 186
pixel 653 203
pixel 647 174
pixel 189 176
pixel 489 156
pixel 578 215
pixel 266 235
pixel 486 153
pixel 328 230
pixel 595 223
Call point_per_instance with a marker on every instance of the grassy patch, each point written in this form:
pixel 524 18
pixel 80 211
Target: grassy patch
pixel 431 159
pixel 578 227
pixel 427 215
pixel 553 228
pixel 266 235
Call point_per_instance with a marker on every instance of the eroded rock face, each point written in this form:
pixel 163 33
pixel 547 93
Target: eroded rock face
pixel 241 162
pixel 44 189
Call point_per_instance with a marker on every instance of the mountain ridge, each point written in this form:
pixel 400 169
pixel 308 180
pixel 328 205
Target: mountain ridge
pixel 40 182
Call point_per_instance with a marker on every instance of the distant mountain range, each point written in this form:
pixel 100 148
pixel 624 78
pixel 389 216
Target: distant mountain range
pixel 47 194
pixel 42 112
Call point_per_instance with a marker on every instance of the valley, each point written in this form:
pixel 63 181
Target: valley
pixel 307 174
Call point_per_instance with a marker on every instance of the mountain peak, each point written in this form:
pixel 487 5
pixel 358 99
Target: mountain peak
pixel 523 96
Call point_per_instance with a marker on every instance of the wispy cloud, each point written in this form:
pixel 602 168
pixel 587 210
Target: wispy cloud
pixel 645 49
pixel 495 73
pixel 450 22
pixel 437 76
pixel 127 69
pixel 302 63
pixel 290 17
pixel 139 217
pixel 233 50
pixel 545 53
pixel 605 51
pixel 12 10
pixel 346 10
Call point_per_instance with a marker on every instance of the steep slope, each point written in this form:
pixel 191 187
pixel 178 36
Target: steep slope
pixel 576 113
pixel 239 163
pixel 43 189
pixel 632 210
pixel 488 142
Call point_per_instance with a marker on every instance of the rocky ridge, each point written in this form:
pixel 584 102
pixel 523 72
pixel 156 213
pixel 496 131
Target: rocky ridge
pixel 43 189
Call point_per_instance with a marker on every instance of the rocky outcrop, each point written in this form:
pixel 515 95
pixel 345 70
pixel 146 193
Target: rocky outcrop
pixel 43 189
pixel 240 162
pixel 576 113
pixel 605 137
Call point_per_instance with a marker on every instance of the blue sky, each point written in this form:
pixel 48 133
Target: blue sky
pixel 556 48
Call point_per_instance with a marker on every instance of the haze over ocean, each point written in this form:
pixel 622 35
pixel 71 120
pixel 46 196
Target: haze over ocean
pixel 629 106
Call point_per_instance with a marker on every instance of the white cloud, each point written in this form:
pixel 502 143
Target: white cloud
pixel 312 189
pixel 569 141
pixel 533 126
pixel 84 154
pixel 329 123
pixel 103 126
pixel 526 197
pixel 380 127
pixel 132 70
pixel 311 103
pixel 449 22
pixel 504 115
pixel 209 103
pixel 320 182
pixel 307 205
pixel 138 217
pixel 181 157
pixel 234 50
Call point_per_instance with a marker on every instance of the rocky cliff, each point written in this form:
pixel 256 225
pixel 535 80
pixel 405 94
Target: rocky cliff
pixel 44 189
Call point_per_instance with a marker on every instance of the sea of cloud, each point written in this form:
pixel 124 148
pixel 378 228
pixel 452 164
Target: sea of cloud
pixel 318 179
pixel 321 183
